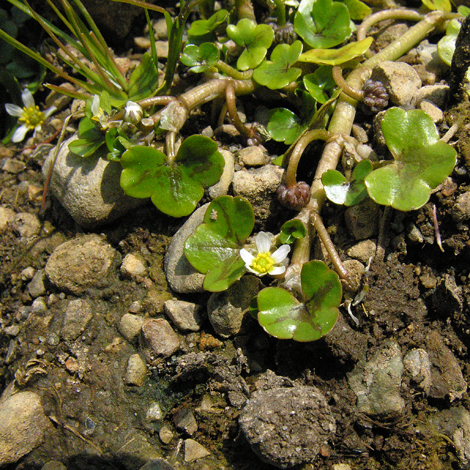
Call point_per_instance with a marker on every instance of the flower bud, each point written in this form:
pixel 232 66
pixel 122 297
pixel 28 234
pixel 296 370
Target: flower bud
pixel 295 197
pixel 133 112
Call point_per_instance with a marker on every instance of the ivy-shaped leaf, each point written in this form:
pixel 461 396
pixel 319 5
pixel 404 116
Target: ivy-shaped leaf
pixel 421 161
pixel 319 82
pixel 203 30
pixel 177 186
pixel 284 125
pixel 214 248
pixel 256 39
pixel 322 23
pixel 278 72
pixel 357 9
pixel 144 79
pixel 341 191
pixel 89 141
pixel 292 230
pixel 200 58
pixel 337 56
pixel 283 316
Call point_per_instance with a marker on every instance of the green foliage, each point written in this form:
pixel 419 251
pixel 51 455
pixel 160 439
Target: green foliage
pixel 341 191
pixel 204 30
pixel 357 9
pixel 336 56
pixel 117 143
pixel 278 72
pixel 202 58
pixel 89 141
pixel 214 248
pixel 283 316
pixel 284 125
pixel 256 39
pixel 176 186
pixel 319 82
pixel 421 161
pixel 446 45
pixel 322 23
pixel 442 5
pixel 292 230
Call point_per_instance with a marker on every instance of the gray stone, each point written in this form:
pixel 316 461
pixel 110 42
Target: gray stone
pixel 26 225
pixel 181 276
pixel 461 208
pixel 252 156
pixel 363 251
pixel 36 287
pixel 158 334
pixel 287 426
pixel 418 366
pixel 194 451
pixel 130 325
pixel 185 316
pixel 136 371
pixel 362 220
pixel 400 79
pixel 54 465
pixel 259 186
pixel 434 112
pixel 88 188
pixel 455 424
pixel 226 310
pixel 377 382
pixel 136 448
pixel 82 263
pixel 133 266
pixel 222 186
pixel 184 420
pixel 77 316
pixel 436 94
pixel 22 426
pixel 154 412
pixel 447 378
pixel 6 215
pixel 165 434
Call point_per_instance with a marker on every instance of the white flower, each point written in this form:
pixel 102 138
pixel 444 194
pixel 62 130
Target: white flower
pixel 97 112
pixel 264 262
pixel 133 112
pixel 31 116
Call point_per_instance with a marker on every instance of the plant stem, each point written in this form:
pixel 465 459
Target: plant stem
pixel 355 94
pixel 280 12
pixel 231 72
pixel 232 110
pixel 300 146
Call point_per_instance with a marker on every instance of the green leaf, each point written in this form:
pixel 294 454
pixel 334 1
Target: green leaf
pixel 204 28
pixel 442 5
pixel 292 230
pixel 144 79
pixel 214 248
pixel 319 82
pixel 200 58
pixel 337 56
pixel 284 125
pixel 357 9
pixel 421 161
pixel 175 187
pixel 90 139
pixel 278 73
pixel 256 39
pixel 341 191
pixel 446 45
pixel 322 23
pixel 283 316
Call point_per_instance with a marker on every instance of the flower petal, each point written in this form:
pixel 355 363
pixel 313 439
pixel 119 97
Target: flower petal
pixel 27 98
pixel 20 133
pixel 49 111
pixel 281 253
pixel 263 242
pixel 14 110
pixel 277 270
pixel 95 105
pixel 247 257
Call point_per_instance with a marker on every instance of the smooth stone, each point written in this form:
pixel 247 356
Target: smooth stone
pixel 130 325
pixel 194 451
pixel 78 315
pixel 160 337
pixel 184 315
pixel 222 186
pixel 133 266
pixel 88 188
pixel 136 371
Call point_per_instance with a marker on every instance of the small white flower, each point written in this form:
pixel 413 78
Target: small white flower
pixel 97 112
pixel 31 116
pixel 133 112
pixel 264 262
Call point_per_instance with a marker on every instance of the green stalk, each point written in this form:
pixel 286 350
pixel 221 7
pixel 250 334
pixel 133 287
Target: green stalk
pixel 231 72
pixel 151 37
pixel 280 12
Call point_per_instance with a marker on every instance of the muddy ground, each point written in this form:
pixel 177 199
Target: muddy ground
pixel 417 297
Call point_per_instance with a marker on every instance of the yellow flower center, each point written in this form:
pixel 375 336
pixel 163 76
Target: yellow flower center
pixel 32 117
pixel 263 263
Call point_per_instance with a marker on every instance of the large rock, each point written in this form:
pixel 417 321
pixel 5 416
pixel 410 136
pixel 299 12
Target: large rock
pixel 22 426
pixel 88 188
